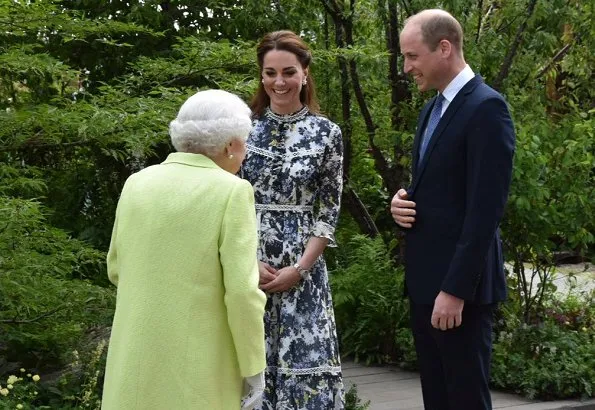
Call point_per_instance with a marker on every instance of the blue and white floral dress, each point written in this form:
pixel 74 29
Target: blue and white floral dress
pixel 294 163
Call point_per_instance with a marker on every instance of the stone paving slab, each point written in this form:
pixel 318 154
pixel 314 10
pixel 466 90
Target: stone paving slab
pixel 391 388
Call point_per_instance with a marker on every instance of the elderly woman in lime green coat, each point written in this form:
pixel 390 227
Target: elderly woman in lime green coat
pixel 188 328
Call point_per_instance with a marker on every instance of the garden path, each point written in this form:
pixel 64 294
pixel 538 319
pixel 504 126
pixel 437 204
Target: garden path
pixel 391 388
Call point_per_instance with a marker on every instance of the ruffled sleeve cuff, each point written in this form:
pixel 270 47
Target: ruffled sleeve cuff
pixel 324 230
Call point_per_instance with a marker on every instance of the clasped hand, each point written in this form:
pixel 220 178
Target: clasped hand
pixel 254 385
pixel 273 280
pixel 403 211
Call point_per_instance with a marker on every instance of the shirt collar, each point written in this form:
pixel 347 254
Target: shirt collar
pixel 186 158
pixel 452 89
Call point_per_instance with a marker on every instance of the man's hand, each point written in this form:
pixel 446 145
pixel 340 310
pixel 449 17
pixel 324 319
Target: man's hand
pixel 448 311
pixel 403 211
pixel 267 273
pixel 286 278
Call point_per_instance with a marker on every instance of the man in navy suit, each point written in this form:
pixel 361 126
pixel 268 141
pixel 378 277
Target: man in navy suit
pixel 462 165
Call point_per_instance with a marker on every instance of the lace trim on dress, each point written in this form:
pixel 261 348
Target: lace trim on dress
pixel 296 116
pixel 324 230
pixel 335 370
pixel 288 155
pixel 305 153
pixel 263 152
pixel 284 207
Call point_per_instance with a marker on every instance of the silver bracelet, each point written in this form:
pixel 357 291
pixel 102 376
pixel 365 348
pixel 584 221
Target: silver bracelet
pixel 304 273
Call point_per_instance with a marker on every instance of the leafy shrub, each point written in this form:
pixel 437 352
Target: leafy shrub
pixel 78 385
pixel 551 202
pixel 81 385
pixel 47 298
pixel 353 402
pixel 29 245
pixel 551 359
pixel 370 307
pixel 20 391
pixel 43 317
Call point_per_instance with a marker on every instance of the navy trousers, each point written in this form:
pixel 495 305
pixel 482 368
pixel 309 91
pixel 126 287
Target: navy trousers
pixel 454 364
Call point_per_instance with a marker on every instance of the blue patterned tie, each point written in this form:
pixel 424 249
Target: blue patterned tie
pixel 432 123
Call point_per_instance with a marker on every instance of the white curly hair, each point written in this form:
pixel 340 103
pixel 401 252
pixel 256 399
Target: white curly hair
pixel 209 120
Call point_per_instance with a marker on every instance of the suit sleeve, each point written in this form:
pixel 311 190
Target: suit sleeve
pixel 489 158
pixel 244 301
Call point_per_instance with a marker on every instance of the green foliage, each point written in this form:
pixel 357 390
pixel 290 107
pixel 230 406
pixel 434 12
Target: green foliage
pixel 553 359
pixel 41 317
pixel 21 390
pixel 24 182
pixel 30 247
pixel 87 89
pixel 353 402
pixel 551 203
pixel 82 383
pixel 370 307
pixel 48 300
pixel 79 385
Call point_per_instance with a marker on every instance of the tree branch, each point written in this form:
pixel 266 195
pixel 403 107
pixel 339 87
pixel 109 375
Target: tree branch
pixel 331 8
pixel 479 20
pixel 380 162
pixel 352 202
pixel 44 145
pixel 359 212
pixel 559 56
pixel 35 319
pixel 505 68
pixel 407 8
pixel 399 92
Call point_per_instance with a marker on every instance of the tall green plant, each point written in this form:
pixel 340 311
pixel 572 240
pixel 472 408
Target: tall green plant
pixel 550 360
pixel 47 301
pixel 370 306
pixel 551 205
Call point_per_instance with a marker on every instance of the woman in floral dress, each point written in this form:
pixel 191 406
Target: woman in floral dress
pixel 294 163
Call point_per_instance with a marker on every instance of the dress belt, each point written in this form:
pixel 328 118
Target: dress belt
pixel 283 207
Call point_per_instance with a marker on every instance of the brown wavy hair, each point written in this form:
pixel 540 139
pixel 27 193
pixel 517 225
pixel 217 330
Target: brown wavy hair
pixel 284 40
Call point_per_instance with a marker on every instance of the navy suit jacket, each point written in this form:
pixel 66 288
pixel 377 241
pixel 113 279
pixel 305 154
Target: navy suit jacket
pixel 460 189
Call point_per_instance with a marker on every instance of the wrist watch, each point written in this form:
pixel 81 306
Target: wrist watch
pixel 304 273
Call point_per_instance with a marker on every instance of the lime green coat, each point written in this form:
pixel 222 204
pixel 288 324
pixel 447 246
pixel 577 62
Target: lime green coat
pixel 189 315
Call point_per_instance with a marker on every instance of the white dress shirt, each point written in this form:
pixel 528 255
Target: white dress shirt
pixel 453 88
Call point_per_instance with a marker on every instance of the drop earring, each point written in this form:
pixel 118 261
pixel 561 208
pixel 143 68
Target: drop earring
pixel 305 81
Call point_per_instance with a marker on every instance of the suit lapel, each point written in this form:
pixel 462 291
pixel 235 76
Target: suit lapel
pixel 449 114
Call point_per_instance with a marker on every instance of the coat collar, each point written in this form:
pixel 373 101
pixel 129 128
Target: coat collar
pixel 194 160
pixel 448 115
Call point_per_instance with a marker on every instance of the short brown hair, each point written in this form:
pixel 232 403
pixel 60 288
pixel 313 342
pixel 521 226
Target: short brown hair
pixel 285 40
pixel 437 25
